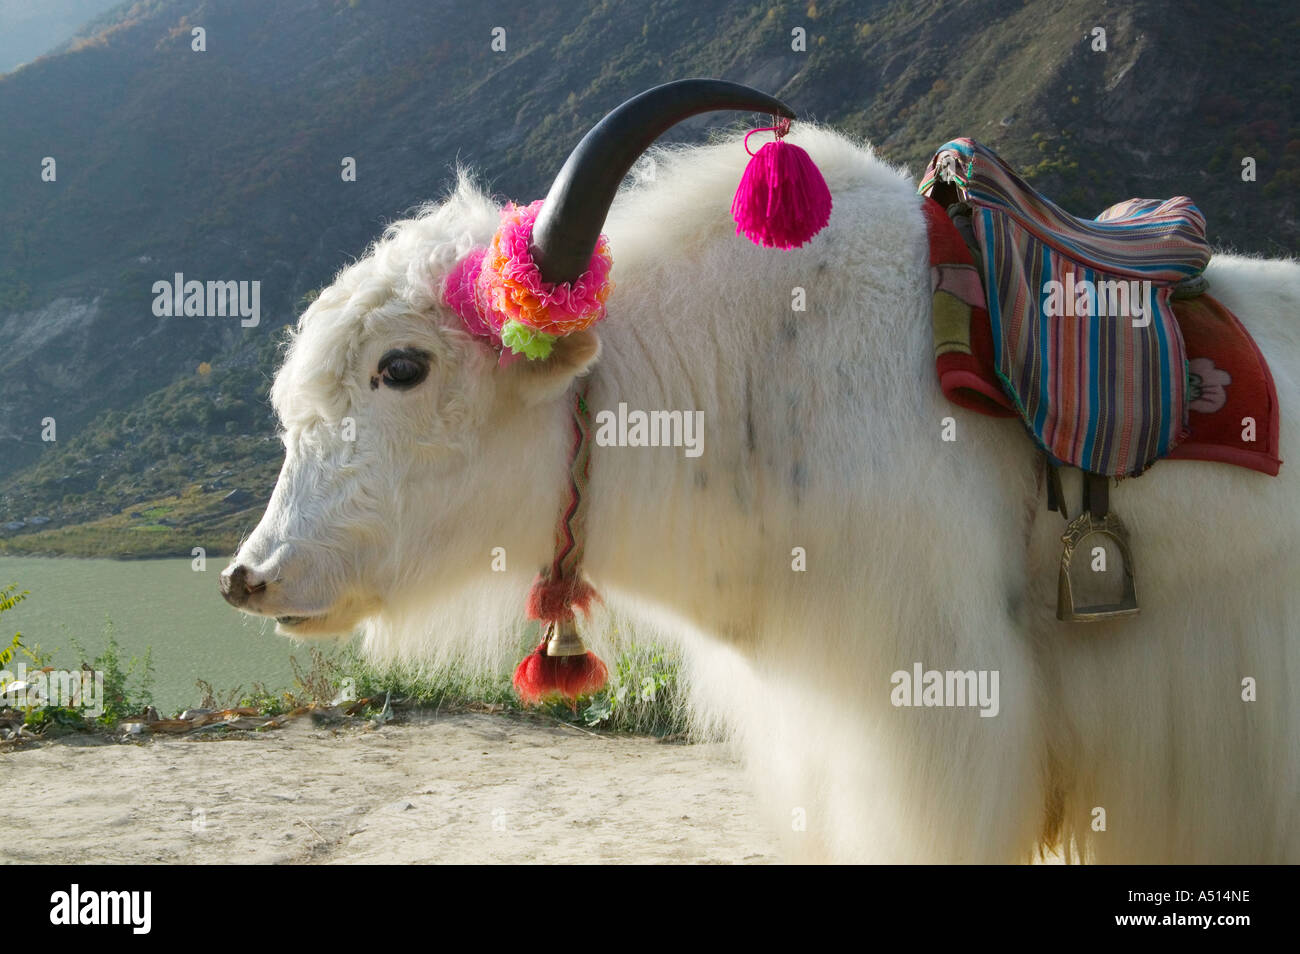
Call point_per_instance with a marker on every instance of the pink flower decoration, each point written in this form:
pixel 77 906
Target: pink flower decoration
pixel 511 283
pixel 460 295
pixel 1206 386
pixel 502 283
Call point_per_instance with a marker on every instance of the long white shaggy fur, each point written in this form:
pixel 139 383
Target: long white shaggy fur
pixel 822 431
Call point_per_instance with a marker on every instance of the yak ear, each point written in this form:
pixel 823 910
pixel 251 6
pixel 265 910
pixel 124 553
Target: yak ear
pixel 545 380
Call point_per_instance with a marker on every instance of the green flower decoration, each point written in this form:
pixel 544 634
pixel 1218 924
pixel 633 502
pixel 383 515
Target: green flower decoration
pixel 519 338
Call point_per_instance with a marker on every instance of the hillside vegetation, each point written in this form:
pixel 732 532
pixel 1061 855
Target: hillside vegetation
pixel 225 165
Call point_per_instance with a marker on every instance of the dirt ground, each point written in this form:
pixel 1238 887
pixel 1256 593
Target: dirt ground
pixel 468 788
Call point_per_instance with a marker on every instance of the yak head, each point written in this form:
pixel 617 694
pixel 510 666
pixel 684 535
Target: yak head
pixel 408 448
pixel 411 452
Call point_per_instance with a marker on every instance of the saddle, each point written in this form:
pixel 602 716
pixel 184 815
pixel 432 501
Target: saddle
pixel 1081 328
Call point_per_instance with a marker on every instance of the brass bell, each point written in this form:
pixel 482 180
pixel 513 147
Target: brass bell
pixel 564 640
pixel 1086 532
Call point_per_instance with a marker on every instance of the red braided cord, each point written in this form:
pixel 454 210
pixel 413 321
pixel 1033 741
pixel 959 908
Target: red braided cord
pixel 560 587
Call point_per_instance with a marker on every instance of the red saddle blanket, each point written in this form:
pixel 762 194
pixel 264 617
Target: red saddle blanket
pixel 1233 414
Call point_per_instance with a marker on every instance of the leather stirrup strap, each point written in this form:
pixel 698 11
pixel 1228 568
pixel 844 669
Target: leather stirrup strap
pixel 1055 495
pixel 1096 494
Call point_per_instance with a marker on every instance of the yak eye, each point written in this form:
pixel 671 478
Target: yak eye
pixel 403 368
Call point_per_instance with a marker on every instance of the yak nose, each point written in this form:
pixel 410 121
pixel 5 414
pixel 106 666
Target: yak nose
pixel 239 584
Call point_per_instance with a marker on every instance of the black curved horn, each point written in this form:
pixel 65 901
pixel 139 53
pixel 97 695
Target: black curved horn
pixel 565 233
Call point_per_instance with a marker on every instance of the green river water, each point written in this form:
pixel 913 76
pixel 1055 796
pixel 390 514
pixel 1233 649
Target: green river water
pixel 160 604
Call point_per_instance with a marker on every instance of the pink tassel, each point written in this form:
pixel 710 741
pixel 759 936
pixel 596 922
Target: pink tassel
pixel 782 200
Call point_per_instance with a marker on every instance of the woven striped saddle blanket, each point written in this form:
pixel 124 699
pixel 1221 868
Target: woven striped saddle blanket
pixel 1085 343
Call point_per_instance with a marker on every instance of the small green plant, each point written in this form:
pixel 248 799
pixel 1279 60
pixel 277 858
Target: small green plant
pixel 642 695
pixel 53 720
pixel 9 598
pixel 13 649
pixel 318 683
pixel 37 717
pixel 265 701
pixel 6 657
pixel 128 683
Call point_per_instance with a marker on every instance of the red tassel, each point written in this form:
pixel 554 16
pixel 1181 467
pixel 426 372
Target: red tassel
pixel 782 200
pixel 555 601
pixel 540 676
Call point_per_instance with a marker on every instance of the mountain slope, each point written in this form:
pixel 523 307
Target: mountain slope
pixel 225 165
pixel 28 28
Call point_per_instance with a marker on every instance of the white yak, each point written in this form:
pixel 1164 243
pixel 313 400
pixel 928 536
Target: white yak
pixel 823 431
